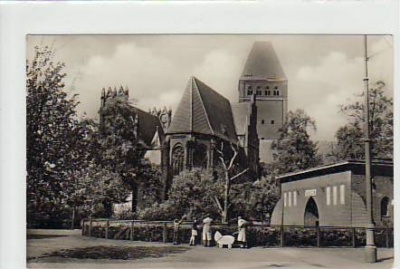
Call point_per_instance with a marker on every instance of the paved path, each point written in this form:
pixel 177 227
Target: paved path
pixel 200 257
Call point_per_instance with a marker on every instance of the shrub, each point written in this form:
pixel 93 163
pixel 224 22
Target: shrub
pixel 256 235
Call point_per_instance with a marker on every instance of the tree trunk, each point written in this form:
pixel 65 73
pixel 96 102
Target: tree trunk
pixel 73 218
pixel 107 208
pixel 134 198
pixel 226 200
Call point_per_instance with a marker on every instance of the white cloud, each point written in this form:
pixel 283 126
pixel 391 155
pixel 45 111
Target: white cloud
pixel 322 88
pixel 323 71
pixel 220 70
pixel 148 78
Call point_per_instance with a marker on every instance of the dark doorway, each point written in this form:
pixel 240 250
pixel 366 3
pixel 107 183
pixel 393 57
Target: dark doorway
pixel 311 216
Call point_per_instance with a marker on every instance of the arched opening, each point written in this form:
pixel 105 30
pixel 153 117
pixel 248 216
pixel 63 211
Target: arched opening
pixel 177 159
pixel 311 215
pixel 200 156
pixel 385 212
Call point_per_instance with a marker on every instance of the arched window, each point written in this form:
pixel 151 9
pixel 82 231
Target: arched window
pixel 385 202
pixel 200 156
pixel 178 154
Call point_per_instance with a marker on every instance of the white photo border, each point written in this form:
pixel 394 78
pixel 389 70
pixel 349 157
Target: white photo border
pixel 18 19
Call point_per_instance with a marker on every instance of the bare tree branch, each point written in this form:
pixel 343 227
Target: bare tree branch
pixel 236 152
pixel 218 204
pixel 238 175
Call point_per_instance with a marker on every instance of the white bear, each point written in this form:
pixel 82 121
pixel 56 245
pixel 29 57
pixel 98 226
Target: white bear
pixel 223 239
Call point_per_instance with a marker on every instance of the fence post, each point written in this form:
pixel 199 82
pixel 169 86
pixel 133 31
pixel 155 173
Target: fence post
pixel 387 237
pixel 353 237
pixel 282 236
pixel 132 237
pixel 318 237
pixel 90 227
pixel 83 227
pixel 165 233
pixel 107 228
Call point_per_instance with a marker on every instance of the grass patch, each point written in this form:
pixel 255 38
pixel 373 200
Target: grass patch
pixel 115 252
pixel 42 236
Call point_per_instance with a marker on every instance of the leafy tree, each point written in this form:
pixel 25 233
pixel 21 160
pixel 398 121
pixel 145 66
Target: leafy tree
pixel 194 193
pixel 295 150
pixel 255 199
pixel 97 190
pixel 63 153
pixel 350 144
pixel 197 193
pixel 151 184
pixel 52 136
pixel 122 152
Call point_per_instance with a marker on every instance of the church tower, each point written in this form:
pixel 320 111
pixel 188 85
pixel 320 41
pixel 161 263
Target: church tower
pixel 263 76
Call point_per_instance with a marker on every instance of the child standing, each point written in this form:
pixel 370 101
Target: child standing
pixel 192 241
pixel 177 223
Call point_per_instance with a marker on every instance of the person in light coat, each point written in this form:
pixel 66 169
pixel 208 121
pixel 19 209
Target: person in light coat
pixel 206 235
pixel 242 223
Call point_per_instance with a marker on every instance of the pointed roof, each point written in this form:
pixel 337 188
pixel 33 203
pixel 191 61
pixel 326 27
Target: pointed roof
pixel 148 126
pixel 203 110
pixel 263 62
pixel 240 114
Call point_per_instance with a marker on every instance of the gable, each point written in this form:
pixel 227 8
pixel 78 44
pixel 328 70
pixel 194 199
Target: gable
pixel 203 110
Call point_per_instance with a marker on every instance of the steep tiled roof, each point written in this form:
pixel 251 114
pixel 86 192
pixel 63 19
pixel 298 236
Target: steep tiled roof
pixel 263 62
pixel 203 110
pixel 148 125
pixel 240 112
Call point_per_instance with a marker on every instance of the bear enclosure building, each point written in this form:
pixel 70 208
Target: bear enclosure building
pixel 335 195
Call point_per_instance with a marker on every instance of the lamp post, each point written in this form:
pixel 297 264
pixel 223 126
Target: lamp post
pixel 370 248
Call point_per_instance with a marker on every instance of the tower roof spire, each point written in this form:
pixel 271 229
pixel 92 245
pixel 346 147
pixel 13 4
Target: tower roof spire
pixel 263 62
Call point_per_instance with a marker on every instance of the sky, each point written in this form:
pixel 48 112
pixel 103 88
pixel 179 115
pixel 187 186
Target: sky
pixel 323 71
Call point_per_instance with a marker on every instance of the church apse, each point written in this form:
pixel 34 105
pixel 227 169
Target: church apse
pixel 202 125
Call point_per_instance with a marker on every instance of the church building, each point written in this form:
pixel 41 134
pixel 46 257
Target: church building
pixel 207 126
pixel 202 127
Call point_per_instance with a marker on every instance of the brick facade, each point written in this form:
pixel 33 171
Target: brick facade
pixel 263 76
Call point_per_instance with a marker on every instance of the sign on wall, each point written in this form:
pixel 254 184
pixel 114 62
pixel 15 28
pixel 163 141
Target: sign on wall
pixel 311 192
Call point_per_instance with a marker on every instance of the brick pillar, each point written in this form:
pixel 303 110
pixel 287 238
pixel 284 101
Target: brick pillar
pixel 165 167
pixel 165 233
pixel 189 154
pixel 132 230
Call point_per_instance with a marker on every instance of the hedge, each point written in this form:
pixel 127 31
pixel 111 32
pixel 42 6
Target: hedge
pixel 257 235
